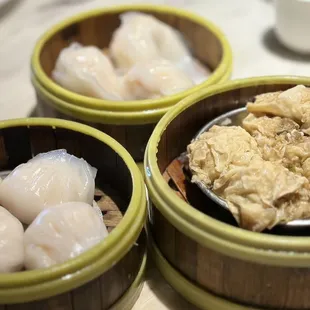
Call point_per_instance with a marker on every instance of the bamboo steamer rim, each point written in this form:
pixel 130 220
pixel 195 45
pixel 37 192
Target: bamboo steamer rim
pixel 135 105
pixel 48 289
pixel 95 261
pixel 101 116
pixel 98 116
pixel 233 241
pixel 193 293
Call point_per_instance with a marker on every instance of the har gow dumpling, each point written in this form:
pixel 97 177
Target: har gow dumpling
pixel 142 37
pixel 133 41
pixel 87 71
pixel 194 70
pixel 47 179
pixel 155 79
pixel 12 242
pixel 62 232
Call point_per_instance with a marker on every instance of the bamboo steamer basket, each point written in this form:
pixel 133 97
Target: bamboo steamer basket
pixel 204 255
pixel 130 122
pixel 108 276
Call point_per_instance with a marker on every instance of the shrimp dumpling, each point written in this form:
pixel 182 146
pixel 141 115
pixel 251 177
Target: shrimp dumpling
pixel 194 70
pixel 61 233
pixel 47 179
pixel 132 42
pixel 12 242
pixel 87 71
pixel 141 38
pixel 154 79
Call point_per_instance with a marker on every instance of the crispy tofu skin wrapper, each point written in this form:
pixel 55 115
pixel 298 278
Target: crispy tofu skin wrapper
pixel 261 169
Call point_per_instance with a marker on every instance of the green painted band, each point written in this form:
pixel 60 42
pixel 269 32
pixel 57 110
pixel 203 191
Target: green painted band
pixel 97 116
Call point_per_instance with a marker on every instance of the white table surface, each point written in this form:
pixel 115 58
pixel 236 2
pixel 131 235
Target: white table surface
pixel 248 25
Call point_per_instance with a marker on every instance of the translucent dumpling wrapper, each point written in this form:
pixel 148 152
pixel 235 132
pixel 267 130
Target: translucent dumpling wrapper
pixel 142 38
pixel 194 70
pixel 46 180
pixel 97 209
pixel 12 243
pixel 154 79
pixel 61 233
pixel 134 40
pixel 87 71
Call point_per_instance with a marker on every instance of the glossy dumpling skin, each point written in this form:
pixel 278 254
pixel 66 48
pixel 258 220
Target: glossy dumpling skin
pixel 62 232
pixel 142 38
pixel 154 79
pixel 87 71
pixel 47 179
pixel 134 40
pixel 12 243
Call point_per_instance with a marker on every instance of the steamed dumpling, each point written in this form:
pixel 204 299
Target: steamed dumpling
pixel 142 38
pixel 87 71
pixel 155 79
pixel 12 242
pixel 194 70
pixel 62 232
pixel 47 179
pixel 133 41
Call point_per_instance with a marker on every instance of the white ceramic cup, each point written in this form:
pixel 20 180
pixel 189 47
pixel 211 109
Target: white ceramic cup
pixel 293 24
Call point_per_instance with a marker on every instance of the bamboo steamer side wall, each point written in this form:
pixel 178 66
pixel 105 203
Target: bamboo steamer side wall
pixel 18 145
pixel 243 282
pixel 133 137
